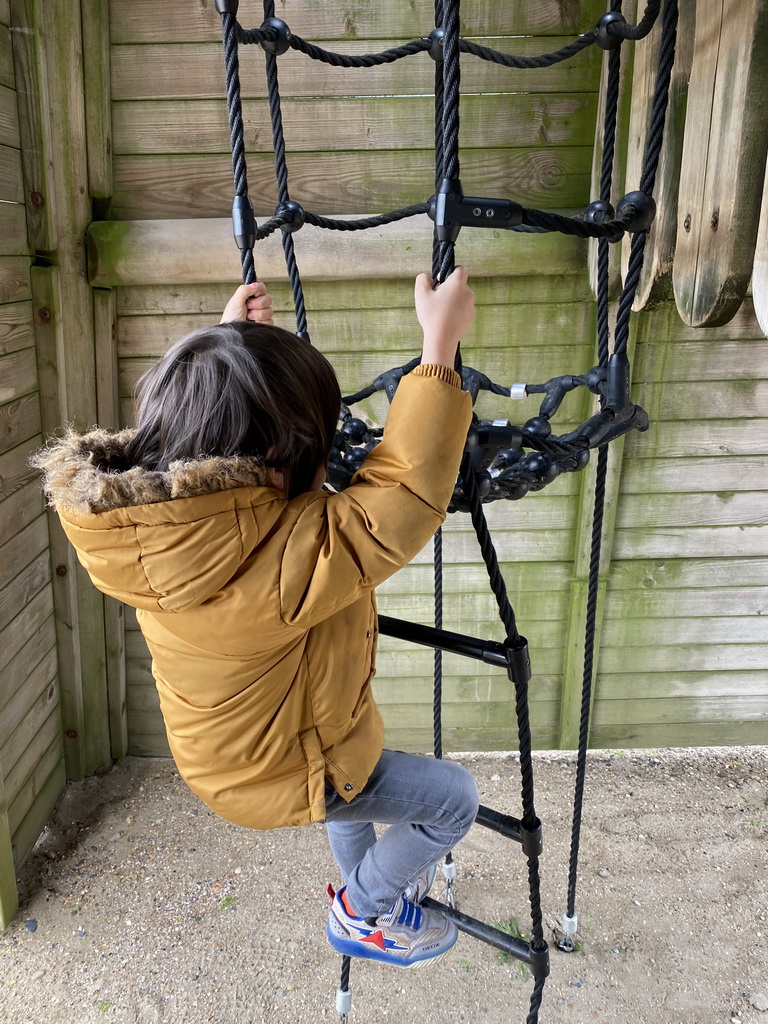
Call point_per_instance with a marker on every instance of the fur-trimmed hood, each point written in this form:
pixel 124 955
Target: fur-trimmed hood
pixel 162 541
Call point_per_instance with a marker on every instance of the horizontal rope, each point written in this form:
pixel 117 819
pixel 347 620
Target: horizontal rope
pixel 377 220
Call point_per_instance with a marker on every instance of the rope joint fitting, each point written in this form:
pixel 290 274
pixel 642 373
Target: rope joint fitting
pixel 451 210
pixel 294 215
pixel 282 42
pixel 531 839
pixel 436 40
pixel 227 6
pixel 598 212
pixel 604 38
pixel 540 961
pixel 243 222
pixel 637 209
pixel 518 660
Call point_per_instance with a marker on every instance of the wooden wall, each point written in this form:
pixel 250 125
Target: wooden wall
pixel 31 742
pixel 683 652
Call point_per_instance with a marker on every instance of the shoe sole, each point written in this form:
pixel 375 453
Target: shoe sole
pixel 359 950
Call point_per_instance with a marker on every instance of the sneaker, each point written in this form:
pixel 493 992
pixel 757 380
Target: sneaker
pixel 420 886
pixel 406 936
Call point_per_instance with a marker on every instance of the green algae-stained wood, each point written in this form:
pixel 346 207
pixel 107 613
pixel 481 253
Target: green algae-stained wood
pixel 9 118
pixel 9 899
pixel 723 162
pixel 96 80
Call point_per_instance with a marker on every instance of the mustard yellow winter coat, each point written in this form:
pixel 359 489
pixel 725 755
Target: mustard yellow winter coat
pixel 259 612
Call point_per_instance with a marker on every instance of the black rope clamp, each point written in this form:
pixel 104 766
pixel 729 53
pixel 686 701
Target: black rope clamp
pixel 598 212
pixel 436 40
pixel 451 210
pixel 293 216
pixel 643 210
pixel 518 660
pixel 531 839
pixel 282 42
pixel 539 960
pixel 243 222
pixel 227 6
pixel 604 38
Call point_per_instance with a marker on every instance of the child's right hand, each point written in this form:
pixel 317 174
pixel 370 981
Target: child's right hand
pixel 445 314
pixel 250 302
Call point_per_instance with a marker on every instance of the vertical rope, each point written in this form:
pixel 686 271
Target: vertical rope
pixel 450 121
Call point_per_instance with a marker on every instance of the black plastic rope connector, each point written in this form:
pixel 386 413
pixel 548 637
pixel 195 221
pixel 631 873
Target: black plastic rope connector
pixel 282 42
pixel 531 839
pixel 539 961
pixel 604 38
pixel 518 660
pixel 436 40
pixel 443 208
pixel 451 210
pixel 227 6
pixel 598 212
pixel 642 214
pixel 293 216
pixel 243 222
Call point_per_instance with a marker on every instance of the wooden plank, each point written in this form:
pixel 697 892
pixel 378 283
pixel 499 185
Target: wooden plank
pixel 722 508
pixel 524 327
pixel 147 187
pixel 39 813
pixel 21 509
pixel 9 118
pixel 645 576
pixel 9 899
pixel 699 438
pixel 652 632
pixel 13 230
pixel 16 327
pixel 760 268
pixel 96 80
pixel 38 157
pixel 351 296
pixel 23 626
pixel 137 21
pixel 18 375
pixel 34 664
pixel 24 587
pixel 5 12
pixel 716 602
pixel 680 709
pixel 14 278
pixel 662 476
pixel 685 734
pixel 11 181
pixel 684 684
pixel 6 58
pixel 15 471
pixel 21 548
pixel 723 161
pixel 691 361
pixel 692 542
pixel 656 276
pixel 19 421
pixel 685 658
pixel 43 702
pixel 196 71
pixel 167 252
pixel 740 399
pixel 49 761
pixel 169 127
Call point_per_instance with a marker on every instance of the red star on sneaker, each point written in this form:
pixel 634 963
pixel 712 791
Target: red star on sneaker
pixel 377 939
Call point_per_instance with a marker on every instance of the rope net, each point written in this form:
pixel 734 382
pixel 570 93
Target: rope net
pixel 501 461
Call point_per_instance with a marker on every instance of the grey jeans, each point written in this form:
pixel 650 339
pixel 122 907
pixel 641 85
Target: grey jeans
pixel 429 805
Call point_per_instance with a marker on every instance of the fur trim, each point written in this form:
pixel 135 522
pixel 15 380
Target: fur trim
pixel 83 472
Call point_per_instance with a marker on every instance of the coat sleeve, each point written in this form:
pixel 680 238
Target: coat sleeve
pixel 344 545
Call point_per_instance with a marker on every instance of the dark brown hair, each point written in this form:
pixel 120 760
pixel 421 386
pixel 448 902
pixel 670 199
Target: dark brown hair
pixel 239 389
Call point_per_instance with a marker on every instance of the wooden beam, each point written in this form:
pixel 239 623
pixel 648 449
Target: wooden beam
pixel 170 252
pixel 656 276
pixel 98 117
pixel 723 162
pixel 9 897
pixel 35 121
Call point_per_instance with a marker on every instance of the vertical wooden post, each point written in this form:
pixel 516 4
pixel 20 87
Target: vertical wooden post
pixel 9 899
pixel 98 115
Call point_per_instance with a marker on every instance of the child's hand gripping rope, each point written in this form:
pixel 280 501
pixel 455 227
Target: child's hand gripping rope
pixel 250 302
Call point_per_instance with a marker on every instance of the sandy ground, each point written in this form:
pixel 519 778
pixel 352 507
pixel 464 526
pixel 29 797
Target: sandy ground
pixel 138 905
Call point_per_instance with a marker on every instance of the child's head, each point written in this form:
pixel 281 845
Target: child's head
pixel 239 389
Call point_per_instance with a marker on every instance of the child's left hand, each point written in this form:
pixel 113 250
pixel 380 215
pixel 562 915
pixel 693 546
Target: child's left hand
pixel 250 302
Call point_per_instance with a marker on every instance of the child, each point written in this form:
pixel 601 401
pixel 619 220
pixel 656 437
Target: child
pixel 254 589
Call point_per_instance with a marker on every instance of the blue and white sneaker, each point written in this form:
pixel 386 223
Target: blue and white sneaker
pixel 406 936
